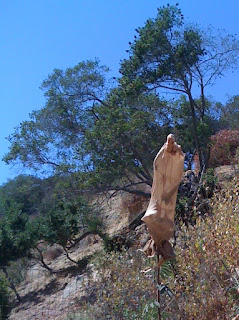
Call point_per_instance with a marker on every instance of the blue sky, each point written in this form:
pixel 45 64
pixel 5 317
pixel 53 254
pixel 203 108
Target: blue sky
pixel 38 36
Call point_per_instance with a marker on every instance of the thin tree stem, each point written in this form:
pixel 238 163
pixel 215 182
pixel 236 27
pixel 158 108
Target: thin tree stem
pixel 43 263
pixel 158 288
pixel 67 254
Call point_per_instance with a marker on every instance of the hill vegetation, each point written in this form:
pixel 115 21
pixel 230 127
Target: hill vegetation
pixel 201 283
pixel 94 141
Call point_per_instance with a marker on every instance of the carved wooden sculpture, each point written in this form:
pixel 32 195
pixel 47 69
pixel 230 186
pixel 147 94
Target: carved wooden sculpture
pixel 159 217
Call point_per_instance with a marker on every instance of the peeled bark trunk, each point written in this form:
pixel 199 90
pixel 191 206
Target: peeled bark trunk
pixel 159 217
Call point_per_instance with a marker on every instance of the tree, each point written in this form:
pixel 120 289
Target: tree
pixel 123 142
pixel 229 114
pixel 53 137
pixel 4 298
pixel 26 191
pixel 91 133
pixel 66 220
pixel 15 239
pixel 183 127
pixel 170 56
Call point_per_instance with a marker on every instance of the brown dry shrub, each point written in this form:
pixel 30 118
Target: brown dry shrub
pixel 207 261
pixel 223 147
pixel 202 283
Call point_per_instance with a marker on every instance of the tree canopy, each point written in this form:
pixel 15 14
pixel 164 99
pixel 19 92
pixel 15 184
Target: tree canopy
pixel 54 135
pixel 95 134
pixel 171 56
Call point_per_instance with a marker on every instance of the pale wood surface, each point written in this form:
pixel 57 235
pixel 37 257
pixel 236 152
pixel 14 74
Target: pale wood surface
pixel 168 172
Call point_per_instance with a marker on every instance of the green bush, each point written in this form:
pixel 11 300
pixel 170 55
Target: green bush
pixel 17 270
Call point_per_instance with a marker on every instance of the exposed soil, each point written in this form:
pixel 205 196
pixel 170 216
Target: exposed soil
pixel 52 296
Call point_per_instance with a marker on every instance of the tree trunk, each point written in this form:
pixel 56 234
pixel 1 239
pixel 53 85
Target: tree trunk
pixel 202 99
pixel 67 254
pixel 158 288
pixel 42 261
pixel 190 161
pixel 195 131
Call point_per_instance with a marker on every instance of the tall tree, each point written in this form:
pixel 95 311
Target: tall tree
pixel 53 137
pixel 92 132
pixel 124 140
pixel 168 55
pixel 183 126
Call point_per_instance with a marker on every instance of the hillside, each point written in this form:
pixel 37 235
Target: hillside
pixel 88 158
pixel 202 283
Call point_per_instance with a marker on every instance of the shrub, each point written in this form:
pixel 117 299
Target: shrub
pixel 17 270
pixel 202 283
pixel 223 147
pixel 207 276
pixel 123 290
pixel 181 212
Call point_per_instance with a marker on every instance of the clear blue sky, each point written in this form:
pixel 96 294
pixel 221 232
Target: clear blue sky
pixel 38 36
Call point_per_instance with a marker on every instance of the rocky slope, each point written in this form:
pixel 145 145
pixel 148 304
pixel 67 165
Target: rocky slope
pixel 57 295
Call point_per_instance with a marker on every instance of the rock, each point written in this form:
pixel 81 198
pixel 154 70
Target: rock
pixel 72 287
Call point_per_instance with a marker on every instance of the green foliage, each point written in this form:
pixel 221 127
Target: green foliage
pixel 54 136
pixel 183 124
pixel 181 212
pixel 102 137
pixel 25 190
pixel 15 240
pixel 17 270
pixel 4 297
pixel 58 220
pixel 92 221
pixel 229 114
pixel 205 129
pixel 165 50
pixel 124 140
pixel 63 222
pixel 209 179
pixel 168 55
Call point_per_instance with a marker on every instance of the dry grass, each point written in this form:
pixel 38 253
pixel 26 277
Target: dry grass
pixel 202 283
